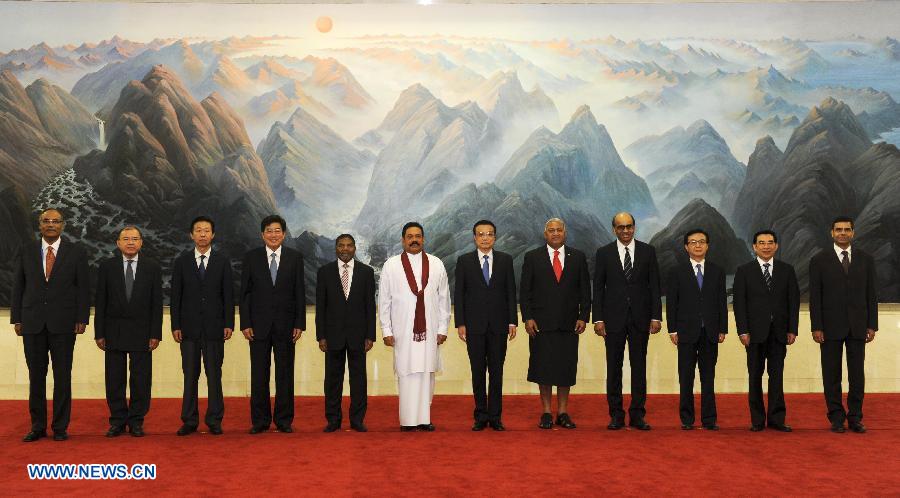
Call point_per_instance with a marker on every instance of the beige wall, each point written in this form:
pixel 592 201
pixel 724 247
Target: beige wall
pixel 802 370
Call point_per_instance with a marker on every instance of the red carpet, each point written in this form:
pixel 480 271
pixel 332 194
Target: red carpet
pixel 454 461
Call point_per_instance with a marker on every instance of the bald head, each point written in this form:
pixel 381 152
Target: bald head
pixel 624 226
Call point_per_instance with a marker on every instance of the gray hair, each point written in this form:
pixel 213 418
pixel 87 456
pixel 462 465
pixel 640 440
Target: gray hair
pixel 551 220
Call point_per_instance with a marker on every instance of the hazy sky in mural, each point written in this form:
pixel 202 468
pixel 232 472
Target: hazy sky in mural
pixel 57 23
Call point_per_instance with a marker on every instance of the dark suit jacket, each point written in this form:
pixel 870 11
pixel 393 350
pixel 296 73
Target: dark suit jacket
pixel 614 296
pixel 842 304
pixel 555 306
pixel 480 307
pixel 128 325
pixel 757 310
pixel 58 304
pixel 345 322
pixel 202 309
pixel 687 306
pixel 278 308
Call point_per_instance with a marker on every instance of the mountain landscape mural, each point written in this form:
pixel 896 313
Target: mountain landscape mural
pixel 735 126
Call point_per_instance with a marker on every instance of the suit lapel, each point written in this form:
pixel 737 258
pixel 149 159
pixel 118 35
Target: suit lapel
pixel 60 258
pixel 566 265
pixel 477 262
pixel 353 279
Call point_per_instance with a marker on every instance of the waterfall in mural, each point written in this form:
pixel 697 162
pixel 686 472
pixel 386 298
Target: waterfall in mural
pixel 102 125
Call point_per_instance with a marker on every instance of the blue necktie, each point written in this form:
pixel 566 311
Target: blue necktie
pixel 202 268
pixel 699 277
pixel 273 268
pixel 486 271
pixel 767 276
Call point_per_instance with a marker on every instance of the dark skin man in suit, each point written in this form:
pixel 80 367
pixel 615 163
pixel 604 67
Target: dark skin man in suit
pixel 50 307
pixel 345 329
pixel 766 311
pixel 555 310
pixel 627 307
pixel 843 311
pixel 128 326
pixel 202 311
pixel 485 314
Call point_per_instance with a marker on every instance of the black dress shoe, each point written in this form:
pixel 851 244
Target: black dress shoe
pixel 407 428
pixel 115 430
pixel 256 429
pixel 857 427
pixel 426 427
pixel 711 427
pixel 285 429
pixel 781 427
pixel 137 431
pixel 331 427
pixel 184 430
pixel 640 425
pixel 546 421
pixel 360 427
pixel 757 428
pixel 838 428
pixel 60 436
pixel 34 436
pixel 215 430
pixel 615 425
pixel 687 427
pixel 563 420
pixel 497 425
pixel 479 425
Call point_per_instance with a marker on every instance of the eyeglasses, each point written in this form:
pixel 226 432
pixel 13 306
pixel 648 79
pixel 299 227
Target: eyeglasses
pixel 272 230
pixel 694 242
pixel 130 239
pixel 47 221
pixel 624 228
pixel 485 234
pixel 556 230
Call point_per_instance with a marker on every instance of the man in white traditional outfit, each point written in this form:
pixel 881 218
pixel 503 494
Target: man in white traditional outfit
pixel 414 308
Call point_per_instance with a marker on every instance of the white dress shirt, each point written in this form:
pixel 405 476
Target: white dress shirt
pixel 490 259
pixel 349 264
pixel 621 248
pixel 276 252
pixel 197 255
pixel 838 251
pixel 44 246
pixel 562 255
pixel 134 263
pixel 762 268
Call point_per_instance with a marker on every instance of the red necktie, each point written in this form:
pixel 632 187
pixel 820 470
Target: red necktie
pixel 557 266
pixel 51 258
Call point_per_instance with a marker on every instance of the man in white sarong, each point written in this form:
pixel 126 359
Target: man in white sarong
pixel 414 309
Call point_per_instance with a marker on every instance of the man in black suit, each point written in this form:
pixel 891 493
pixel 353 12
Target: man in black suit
pixel 128 325
pixel 767 313
pixel 627 307
pixel 485 315
pixel 555 297
pixel 202 309
pixel 843 310
pixel 345 329
pixel 697 317
pixel 50 306
pixel 273 317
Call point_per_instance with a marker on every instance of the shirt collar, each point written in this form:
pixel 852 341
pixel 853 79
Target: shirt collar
pixel 770 262
pixel 562 250
pixel 414 257
pixel 55 245
pixel 489 254
pixel 276 252
pixel 134 259
pixel 197 253
pixel 349 264
pixel 622 246
pixel 694 264
pixel 838 250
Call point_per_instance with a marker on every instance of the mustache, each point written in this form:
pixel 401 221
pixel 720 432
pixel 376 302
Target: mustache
pixel 413 243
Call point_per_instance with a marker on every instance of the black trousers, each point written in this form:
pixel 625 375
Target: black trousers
pixel 334 385
pixel 701 355
pixel 832 353
pixel 487 353
pixel 637 357
pixel 261 352
pixel 59 347
pixel 118 370
pixel 763 356
pixel 212 354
